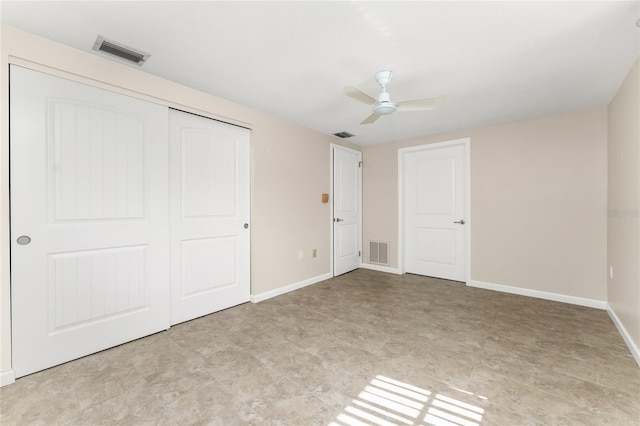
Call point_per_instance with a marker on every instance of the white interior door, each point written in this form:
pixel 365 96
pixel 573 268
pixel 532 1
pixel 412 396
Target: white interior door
pixel 89 218
pixel 210 239
pixel 346 210
pixel 434 181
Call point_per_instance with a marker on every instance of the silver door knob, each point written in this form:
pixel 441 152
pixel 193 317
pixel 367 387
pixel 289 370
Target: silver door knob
pixel 338 219
pixel 246 225
pixel 461 222
pixel 23 240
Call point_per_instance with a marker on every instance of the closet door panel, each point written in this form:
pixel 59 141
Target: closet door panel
pixel 89 219
pixel 209 216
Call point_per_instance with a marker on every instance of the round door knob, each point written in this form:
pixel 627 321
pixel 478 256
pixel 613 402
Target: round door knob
pixel 246 225
pixel 23 240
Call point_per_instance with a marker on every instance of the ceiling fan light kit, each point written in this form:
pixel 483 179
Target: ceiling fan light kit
pixel 383 105
pixel 384 108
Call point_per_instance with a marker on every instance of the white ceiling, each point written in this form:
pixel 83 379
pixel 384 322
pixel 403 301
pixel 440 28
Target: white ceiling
pixel 495 61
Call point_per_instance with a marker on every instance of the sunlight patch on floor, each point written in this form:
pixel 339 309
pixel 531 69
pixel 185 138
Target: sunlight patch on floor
pixel 386 402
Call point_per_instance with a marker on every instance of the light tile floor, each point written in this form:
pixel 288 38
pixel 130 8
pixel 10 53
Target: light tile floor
pixel 363 348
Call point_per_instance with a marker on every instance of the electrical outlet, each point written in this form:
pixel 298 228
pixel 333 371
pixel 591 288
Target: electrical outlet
pixel 300 255
pixel 314 253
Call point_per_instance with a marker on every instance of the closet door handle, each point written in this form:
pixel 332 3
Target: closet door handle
pixel 23 240
pixel 461 222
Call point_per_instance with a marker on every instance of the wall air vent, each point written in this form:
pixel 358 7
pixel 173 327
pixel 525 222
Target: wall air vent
pixel 344 135
pixel 379 252
pixel 121 51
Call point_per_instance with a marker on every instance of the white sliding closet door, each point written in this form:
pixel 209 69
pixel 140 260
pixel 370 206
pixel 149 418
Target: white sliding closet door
pixel 209 216
pixel 89 219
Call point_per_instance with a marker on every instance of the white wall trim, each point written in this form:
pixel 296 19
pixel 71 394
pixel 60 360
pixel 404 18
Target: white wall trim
pixel 633 348
pixel 7 377
pixel 556 297
pixel 381 268
pixel 331 151
pixel 256 298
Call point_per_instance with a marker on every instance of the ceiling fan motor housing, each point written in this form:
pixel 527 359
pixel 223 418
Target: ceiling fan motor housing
pixel 384 105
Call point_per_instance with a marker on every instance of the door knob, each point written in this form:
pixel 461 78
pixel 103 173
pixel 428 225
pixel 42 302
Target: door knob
pixel 461 222
pixel 23 240
pixel 338 219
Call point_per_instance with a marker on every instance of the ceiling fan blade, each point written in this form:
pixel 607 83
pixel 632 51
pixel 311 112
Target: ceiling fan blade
pixel 420 104
pixel 358 95
pixel 370 119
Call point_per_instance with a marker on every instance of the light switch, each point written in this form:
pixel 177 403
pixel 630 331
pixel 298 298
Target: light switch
pixel 325 198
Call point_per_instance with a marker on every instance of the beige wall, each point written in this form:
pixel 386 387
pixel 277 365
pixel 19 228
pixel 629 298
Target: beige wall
pixel 538 201
pixel 538 193
pixel 624 203
pixel 289 171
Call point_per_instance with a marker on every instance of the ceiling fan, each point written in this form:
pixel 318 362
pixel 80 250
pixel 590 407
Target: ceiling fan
pixel 383 105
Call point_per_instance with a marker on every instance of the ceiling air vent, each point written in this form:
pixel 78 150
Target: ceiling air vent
pixel 121 51
pixel 343 135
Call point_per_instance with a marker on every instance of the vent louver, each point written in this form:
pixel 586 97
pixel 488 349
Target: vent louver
pixel 344 135
pixel 379 252
pixel 123 52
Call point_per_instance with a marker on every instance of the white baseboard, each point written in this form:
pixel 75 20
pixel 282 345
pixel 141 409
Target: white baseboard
pixel 625 335
pixel 380 268
pixel 556 297
pixel 7 377
pixel 256 298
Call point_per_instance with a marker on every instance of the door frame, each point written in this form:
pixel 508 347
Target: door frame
pixel 466 143
pixel 331 179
